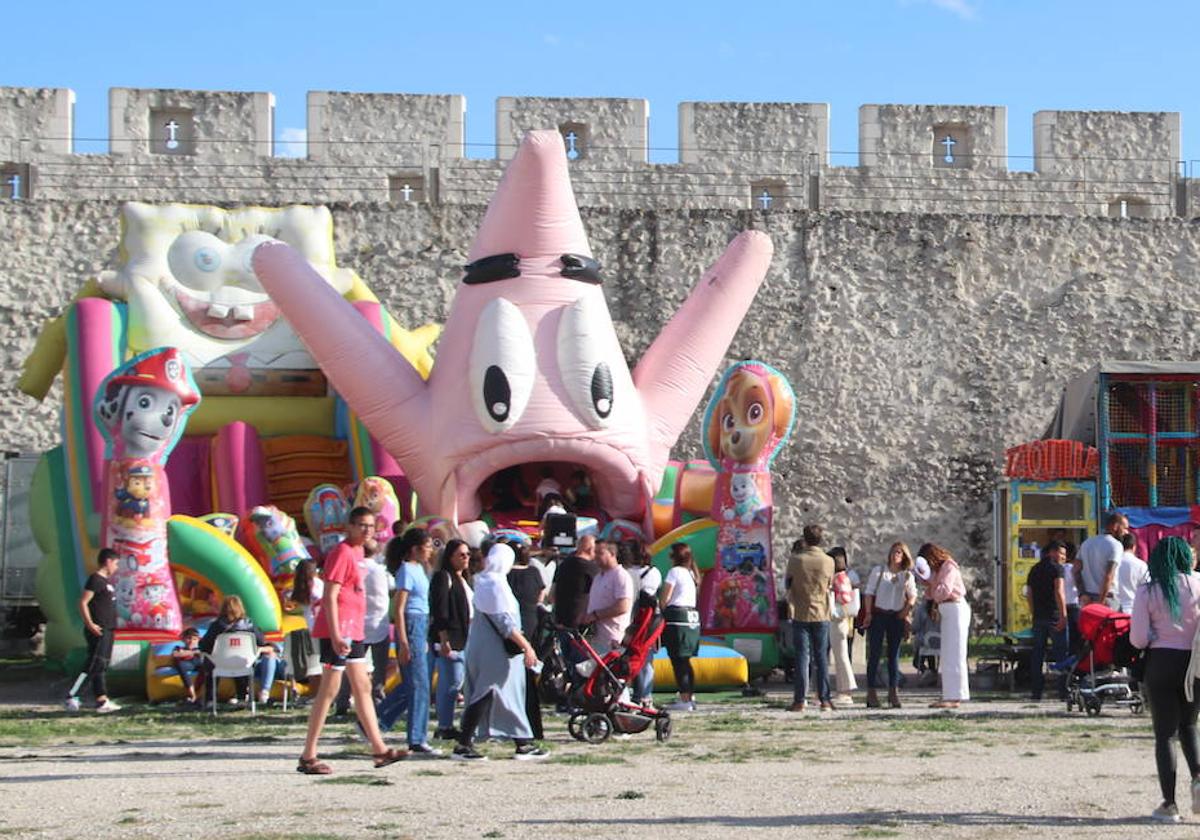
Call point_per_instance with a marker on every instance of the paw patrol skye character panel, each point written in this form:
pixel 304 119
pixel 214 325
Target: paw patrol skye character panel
pixel 747 421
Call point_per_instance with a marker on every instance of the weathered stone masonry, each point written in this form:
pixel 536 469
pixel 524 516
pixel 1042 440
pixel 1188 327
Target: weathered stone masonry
pixel 921 341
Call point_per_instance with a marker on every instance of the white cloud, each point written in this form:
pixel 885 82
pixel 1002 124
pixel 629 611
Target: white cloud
pixel 960 8
pixel 726 50
pixel 551 40
pixel 292 142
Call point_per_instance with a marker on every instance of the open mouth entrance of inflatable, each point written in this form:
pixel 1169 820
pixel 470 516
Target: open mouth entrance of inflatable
pixel 517 496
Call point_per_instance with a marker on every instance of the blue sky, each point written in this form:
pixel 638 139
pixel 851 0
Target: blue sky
pixel 1025 55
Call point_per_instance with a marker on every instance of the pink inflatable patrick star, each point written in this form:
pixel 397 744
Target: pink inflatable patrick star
pixel 528 368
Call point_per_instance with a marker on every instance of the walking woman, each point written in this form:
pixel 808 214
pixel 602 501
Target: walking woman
pixel 529 588
pixel 681 636
pixel 497 656
pixel 1166 611
pixel 949 596
pixel 888 599
pixel 450 600
pixel 408 558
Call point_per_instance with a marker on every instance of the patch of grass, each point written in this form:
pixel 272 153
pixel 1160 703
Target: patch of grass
pixel 1028 755
pixel 200 805
pixel 495 832
pixel 729 722
pixel 375 781
pixel 876 831
pixel 926 754
pixel 129 819
pixel 428 773
pixel 596 757
pixel 631 794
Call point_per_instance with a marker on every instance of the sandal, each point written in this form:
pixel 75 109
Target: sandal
pixel 393 755
pixel 313 767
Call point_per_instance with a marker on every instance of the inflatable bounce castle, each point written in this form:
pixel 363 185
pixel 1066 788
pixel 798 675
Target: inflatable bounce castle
pixel 529 380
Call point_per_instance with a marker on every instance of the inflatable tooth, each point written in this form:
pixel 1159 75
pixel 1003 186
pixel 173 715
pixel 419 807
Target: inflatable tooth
pixel 529 367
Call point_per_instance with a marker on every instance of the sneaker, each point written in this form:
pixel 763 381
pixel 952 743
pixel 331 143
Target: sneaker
pixel 828 707
pixel 234 702
pixel 1166 813
pixel 264 697
pixel 844 700
pixel 450 734
pixel 796 707
pixel 681 706
pixel 1196 795
pixel 423 750
pixel 464 752
pixel 71 704
pixel 107 707
pixel 530 752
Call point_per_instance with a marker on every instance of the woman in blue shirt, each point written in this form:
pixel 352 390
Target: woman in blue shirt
pixel 408 557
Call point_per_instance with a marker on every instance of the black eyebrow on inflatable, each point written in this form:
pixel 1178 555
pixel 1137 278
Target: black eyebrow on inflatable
pixel 491 269
pixel 579 267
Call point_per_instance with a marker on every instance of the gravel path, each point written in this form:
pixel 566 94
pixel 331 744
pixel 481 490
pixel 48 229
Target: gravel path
pixel 1003 768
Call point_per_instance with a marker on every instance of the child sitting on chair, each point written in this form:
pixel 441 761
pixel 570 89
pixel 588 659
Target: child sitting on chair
pixel 186 659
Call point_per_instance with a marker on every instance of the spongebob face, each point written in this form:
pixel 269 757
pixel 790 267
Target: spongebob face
pixel 185 272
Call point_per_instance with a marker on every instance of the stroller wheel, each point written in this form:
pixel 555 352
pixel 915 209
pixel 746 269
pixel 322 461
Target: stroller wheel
pixel 596 728
pixel 1092 707
pixel 662 728
pixel 1137 707
pixel 575 725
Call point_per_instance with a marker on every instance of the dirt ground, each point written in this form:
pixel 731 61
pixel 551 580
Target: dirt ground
pixel 999 767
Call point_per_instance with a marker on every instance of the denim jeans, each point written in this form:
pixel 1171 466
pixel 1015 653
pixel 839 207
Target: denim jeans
pixel 412 695
pixel 643 683
pixel 890 625
pixel 450 675
pixel 1043 629
pixel 812 635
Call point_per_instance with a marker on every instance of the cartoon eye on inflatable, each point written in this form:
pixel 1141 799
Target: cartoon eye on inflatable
pixel 755 413
pixel 594 380
pixel 502 366
pixel 196 259
pixel 243 256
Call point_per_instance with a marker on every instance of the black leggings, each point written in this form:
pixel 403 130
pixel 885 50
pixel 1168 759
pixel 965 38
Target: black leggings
pixel 685 678
pixel 1174 715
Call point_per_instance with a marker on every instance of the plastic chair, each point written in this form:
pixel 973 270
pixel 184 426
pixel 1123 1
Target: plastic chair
pixel 234 655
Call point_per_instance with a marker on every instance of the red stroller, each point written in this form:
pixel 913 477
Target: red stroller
pixel 1101 672
pixel 600 706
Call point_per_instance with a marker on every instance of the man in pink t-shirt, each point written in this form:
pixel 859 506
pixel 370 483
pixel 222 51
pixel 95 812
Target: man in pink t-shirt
pixel 338 628
pixel 610 600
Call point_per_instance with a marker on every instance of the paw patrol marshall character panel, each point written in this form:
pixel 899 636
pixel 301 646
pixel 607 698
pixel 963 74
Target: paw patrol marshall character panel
pixel 141 409
pixel 745 425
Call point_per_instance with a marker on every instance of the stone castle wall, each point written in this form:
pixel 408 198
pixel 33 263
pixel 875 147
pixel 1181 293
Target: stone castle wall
pixel 219 147
pixel 920 345
pixel 922 341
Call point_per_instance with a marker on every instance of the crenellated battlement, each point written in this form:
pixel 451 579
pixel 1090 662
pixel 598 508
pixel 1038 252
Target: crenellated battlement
pixel 219 147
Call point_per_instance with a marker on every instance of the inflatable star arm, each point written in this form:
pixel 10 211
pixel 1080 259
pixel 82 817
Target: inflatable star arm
pixel 678 367
pixel 387 393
